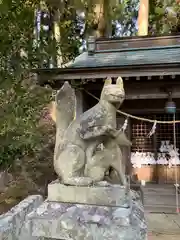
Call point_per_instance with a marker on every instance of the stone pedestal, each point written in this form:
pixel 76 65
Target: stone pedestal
pixel 78 221
pixel 100 194
pixel 13 223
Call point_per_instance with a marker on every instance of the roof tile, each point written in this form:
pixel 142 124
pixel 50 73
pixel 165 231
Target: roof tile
pixel 127 58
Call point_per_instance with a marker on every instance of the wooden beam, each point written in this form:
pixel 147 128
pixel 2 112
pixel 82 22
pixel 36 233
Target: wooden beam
pixel 151 92
pixel 151 96
pixel 135 87
pixel 116 73
pixel 146 111
pixel 136 42
pixel 103 73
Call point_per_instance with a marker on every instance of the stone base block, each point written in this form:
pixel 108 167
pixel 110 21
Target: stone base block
pixel 79 221
pixel 100 194
pixel 12 223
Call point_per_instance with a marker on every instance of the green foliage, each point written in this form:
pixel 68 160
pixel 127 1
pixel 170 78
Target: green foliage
pixel 124 16
pixel 20 115
pixel 21 101
pixel 164 17
pixel 70 33
pixel 16 32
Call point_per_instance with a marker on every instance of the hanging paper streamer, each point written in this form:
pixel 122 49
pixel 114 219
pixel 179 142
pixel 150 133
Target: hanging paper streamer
pixel 174 157
pixel 153 130
pixel 162 159
pixel 124 127
pixel 142 158
pixel 168 154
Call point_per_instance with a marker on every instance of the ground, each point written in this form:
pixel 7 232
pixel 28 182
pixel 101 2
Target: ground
pixel 28 176
pixel 31 176
pixel 162 237
pixel 163 226
pixel 160 226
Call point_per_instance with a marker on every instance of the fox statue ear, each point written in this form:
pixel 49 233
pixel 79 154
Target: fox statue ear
pixel 119 82
pixel 108 81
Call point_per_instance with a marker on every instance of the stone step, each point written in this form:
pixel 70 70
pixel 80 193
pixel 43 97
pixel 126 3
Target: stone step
pixel 160 208
pixel 159 191
pixel 160 200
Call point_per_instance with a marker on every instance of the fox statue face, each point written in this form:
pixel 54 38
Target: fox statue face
pixel 113 93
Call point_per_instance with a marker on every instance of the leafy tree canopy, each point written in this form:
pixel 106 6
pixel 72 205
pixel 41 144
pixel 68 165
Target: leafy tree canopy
pixel 28 40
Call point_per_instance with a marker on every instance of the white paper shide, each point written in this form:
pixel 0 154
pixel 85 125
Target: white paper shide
pixel 167 155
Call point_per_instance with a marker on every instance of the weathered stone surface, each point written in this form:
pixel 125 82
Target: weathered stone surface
pixel 100 194
pixel 12 223
pixel 78 222
pixel 76 160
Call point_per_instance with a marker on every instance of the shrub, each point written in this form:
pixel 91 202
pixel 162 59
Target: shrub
pixel 21 108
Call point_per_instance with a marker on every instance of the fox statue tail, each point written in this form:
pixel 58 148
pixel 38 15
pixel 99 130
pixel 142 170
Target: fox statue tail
pixel 63 112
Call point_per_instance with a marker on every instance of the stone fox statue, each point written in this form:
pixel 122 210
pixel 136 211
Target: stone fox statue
pixel 77 138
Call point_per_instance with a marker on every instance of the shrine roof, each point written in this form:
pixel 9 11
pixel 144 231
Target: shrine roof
pixel 128 57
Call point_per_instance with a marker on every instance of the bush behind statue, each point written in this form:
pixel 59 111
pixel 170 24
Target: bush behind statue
pixel 22 120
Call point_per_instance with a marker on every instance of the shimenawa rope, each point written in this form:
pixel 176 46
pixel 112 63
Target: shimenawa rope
pixel 135 117
pixel 155 122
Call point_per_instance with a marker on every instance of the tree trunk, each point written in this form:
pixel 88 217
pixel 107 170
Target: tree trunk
pixel 103 19
pixel 57 36
pixel 143 17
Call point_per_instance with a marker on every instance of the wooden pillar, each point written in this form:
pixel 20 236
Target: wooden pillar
pixel 143 17
pixel 103 19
